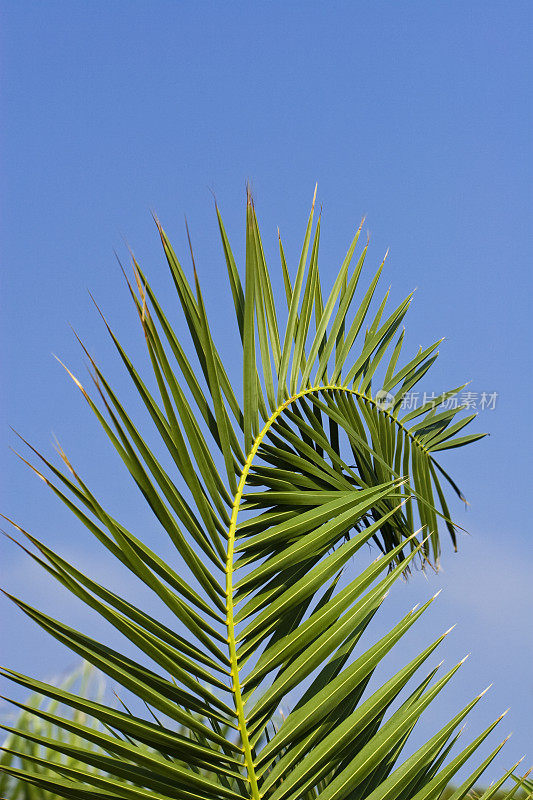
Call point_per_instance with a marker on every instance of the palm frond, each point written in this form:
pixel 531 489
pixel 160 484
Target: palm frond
pixel 273 489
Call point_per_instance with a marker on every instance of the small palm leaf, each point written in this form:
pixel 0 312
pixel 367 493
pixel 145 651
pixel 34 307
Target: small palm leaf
pixel 272 492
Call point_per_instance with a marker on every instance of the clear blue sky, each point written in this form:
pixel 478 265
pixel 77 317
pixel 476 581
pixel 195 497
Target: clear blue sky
pixel 417 114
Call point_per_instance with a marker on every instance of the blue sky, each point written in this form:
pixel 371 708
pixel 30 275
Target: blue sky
pixel 417 114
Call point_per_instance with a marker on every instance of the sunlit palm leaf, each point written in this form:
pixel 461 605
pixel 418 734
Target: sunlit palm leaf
pixel 272 491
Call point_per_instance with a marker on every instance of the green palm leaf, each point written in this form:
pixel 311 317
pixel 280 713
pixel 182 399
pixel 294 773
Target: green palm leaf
pixel 272 491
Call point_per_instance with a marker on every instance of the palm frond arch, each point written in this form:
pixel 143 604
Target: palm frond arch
pixel 263 612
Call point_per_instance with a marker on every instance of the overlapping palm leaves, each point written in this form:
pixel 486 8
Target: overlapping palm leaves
pixel 89 684
pixel 273 490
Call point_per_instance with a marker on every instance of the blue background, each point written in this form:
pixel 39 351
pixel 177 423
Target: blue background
pixel 417 114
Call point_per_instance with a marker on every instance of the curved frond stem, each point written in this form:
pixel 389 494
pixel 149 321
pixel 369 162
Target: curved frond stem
pixel 230 567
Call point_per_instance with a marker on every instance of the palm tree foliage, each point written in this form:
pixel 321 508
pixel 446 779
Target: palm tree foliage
pixel 273 490
pixel 89 684
pixel 86 683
